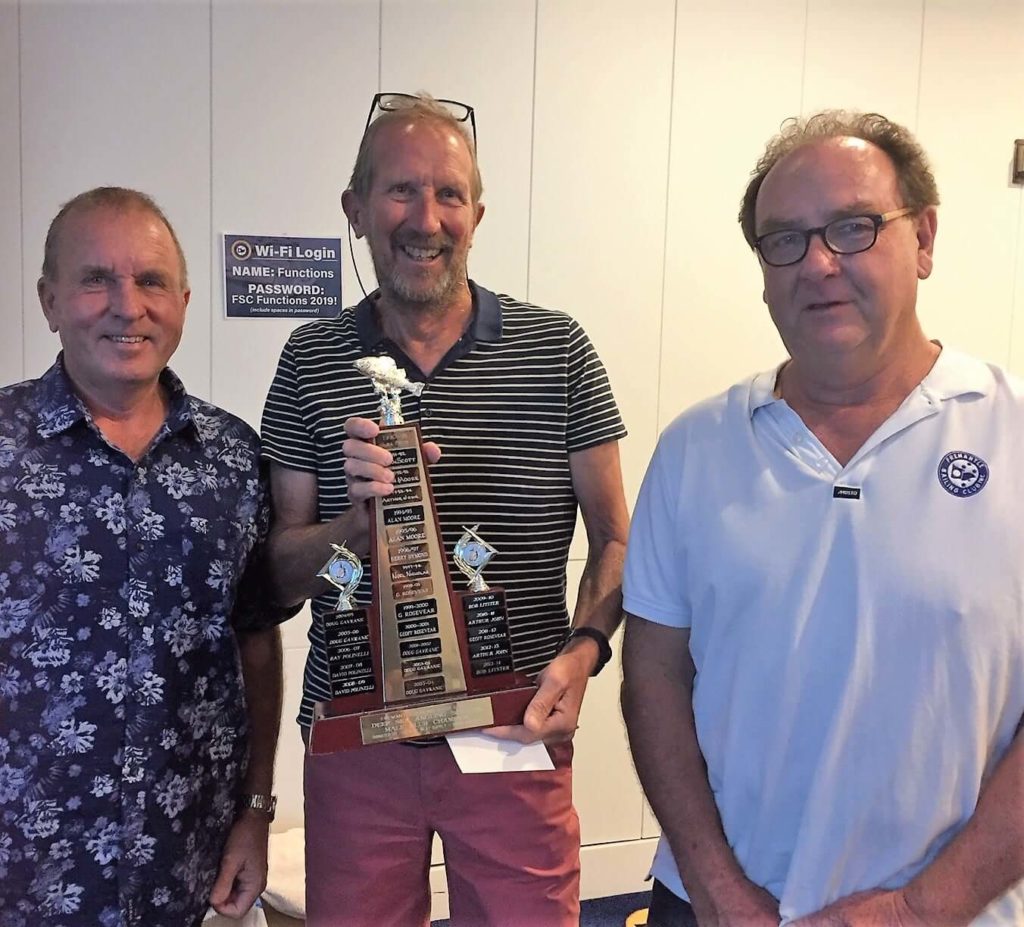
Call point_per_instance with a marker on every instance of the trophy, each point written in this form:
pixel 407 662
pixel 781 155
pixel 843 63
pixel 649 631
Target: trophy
pixel 422 660
pixel 346 628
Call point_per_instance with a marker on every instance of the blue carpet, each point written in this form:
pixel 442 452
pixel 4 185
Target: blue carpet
pixel 611 911
pixel 601 912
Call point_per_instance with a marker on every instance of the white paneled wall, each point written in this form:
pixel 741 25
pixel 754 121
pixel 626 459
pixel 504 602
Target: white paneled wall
pixel 615 142
pixel 480 53
pixel 593 159
pixel 863 56
pixel 731 90
pixel 970 113
pixel 116 93
pixel 290 86
pixel 600 167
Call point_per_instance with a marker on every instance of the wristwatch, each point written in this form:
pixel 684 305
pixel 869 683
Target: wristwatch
pixel 604 649
pixel 265 804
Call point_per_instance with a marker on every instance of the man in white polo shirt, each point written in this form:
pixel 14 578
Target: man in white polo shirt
pixel 824 653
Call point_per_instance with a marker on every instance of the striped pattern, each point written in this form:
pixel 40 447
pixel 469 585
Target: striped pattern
pixel 506 415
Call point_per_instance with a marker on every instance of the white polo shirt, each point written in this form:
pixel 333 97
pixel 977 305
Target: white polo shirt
pixel 858 631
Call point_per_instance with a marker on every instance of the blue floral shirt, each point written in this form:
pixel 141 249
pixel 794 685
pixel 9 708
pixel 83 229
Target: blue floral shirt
pixel 123 731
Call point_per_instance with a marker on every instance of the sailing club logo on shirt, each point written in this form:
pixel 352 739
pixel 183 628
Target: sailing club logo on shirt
pixel 962 474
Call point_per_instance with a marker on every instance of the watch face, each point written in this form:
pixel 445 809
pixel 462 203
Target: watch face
pixel 265 803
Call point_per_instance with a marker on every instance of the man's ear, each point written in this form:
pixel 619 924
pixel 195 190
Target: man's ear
pixel 478 214
pixel 353 212
pixel 927 225
pixel 45 293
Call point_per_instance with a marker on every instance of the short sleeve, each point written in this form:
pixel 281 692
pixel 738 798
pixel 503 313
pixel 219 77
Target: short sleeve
pixel 593 414
pixel 254 607
pixel 655 570
pixel 286 437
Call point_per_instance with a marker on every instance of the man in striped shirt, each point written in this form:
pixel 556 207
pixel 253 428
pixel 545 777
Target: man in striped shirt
pixel 522 426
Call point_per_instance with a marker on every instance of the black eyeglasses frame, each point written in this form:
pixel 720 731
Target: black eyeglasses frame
pixel 879 220
pixel 470 113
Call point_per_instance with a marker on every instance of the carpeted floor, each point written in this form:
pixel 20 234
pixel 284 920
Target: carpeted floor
pixel 601 912
pixel 613 911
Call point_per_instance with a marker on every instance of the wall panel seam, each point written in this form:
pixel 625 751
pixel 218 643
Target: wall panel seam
pixel 1015 288
pixel 920 68
pixel 23 373
pixel 668 192
pixel 803 68
pixel 533 151
pixel 213 238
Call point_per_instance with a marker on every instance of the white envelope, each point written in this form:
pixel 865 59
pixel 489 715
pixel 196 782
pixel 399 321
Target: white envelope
pixel 480 753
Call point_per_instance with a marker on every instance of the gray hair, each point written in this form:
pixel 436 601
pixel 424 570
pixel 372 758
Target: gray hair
pixel 913 172
pixel 419 108
pixel 119 199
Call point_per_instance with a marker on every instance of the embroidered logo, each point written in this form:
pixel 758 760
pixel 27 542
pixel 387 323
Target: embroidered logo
pixel 962 474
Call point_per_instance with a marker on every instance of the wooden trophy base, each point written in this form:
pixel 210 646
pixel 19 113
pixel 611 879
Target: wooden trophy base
pixel 333 732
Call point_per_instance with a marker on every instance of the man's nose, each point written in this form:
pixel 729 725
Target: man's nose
pixel 820 260
pixel 426 216
pixel 126 300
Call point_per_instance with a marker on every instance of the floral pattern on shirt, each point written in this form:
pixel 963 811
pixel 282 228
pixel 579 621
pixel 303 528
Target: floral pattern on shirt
pixel 123 732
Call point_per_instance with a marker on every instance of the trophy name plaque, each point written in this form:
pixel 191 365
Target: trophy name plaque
pixel 422 660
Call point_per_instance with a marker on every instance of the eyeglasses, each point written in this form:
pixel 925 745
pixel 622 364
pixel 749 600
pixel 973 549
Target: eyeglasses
pixel 848 235
pixel 393 102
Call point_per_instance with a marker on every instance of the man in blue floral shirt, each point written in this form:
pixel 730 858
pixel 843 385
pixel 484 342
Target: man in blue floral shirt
pixel 140 664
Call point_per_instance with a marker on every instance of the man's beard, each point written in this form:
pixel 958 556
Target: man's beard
pixel 437 292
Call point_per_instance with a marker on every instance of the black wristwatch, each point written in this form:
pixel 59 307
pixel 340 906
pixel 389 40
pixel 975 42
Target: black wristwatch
pixel 264 804
pixel 604 649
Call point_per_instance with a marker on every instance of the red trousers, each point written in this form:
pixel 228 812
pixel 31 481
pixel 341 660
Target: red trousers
pixel 511 840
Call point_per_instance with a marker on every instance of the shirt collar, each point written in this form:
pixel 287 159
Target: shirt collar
pixel 485 324
pixel 61 408
pixel 762 389
pixel 953 374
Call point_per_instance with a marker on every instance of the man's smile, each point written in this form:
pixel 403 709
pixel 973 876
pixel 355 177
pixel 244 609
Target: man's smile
pixel 420 254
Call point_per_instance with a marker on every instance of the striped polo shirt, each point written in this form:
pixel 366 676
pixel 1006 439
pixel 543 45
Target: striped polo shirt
pixel 521 390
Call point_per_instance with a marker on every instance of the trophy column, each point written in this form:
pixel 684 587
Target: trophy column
pixel 420 647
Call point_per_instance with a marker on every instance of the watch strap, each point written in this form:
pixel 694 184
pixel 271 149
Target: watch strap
pixel 265 804
pixel 604 648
